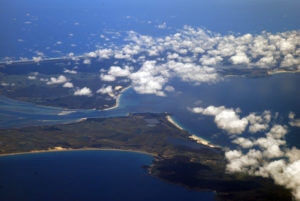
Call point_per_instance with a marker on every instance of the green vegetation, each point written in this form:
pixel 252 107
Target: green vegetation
pixel 177 158
pixel 27 81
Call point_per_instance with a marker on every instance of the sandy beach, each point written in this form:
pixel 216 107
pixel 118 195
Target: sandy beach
pixel 199 140
pixel 169 118
pixel 118 99
pixel 65 113
pixel 282 71
pixel 60 149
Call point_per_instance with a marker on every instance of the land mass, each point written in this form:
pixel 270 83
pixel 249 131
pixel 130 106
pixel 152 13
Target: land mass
pixel 178 158
pixel 31 82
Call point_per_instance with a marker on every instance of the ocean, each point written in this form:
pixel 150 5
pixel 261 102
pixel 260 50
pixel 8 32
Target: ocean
pixel 86 175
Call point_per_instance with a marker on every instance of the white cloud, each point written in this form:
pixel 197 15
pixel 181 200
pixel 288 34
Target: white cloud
pixel 68 85
pixel 162 26
pixel 210 61
pixel 226 119
pixel 289 60
pixel 85 91
pixel 87 61
pixel 270 159
pixel 105 90
pixel 117 71
pixel 293 121
pixel 149 79
pixel 240 58
pixel 107 78
pixel 243 142
pixel 242 162
pixel 70 71
pixel 259 122
pixel 169 88
pixel 59 80
pixel 37 59
pixel 267 156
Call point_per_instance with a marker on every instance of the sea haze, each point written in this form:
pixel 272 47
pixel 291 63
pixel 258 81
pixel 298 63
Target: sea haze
pixel 39 30
pixel 59 27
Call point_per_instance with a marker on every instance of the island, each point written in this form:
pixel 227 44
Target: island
pixel 178 157
pixel 61 82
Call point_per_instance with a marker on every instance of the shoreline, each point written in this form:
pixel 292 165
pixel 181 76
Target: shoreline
pixel 117 99
pixel 64 112
pixel 61 149
pixel 194 137
pixel 282 71
pixel 169 118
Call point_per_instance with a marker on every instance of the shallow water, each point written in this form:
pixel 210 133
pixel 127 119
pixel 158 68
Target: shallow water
pixel 277 93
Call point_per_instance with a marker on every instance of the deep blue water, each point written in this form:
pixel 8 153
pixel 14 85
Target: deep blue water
pixel 86 175
pixel 277 93
pixel 33 25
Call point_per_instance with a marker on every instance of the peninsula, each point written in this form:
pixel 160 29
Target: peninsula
pixel 178 157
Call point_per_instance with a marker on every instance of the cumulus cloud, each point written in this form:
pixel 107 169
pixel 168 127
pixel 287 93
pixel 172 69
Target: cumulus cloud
pixel 293 121
pixel 31 77
pixel 149 80
pixel 226 119
pixel 85 91
pixel 240 58
pixel 68 85
pixel 267 156
pixel 152 77
pixel 162 26
pixel 117 71
pixel 59 80
pixel 37 59
pixel 169 88
pixel 87 61
pixel 259 122
pixel 114 72
pixel 107 78
pixel 200 47
pixel 243 142
pixel 285 172
pixel 196 55
pixel 70 71
pixel 107 90
pixel 240 162
pixel 210 61
pixel 229 120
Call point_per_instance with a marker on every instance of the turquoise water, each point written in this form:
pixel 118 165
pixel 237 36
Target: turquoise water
pixel 86 175
pixel 32 25
pixel 249 94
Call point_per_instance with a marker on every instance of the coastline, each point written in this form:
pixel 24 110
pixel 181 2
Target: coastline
pixel 194 137
pixel 61 149
pixel 282 71
pixel 117 99
pixel 65 112
pixel 169 118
